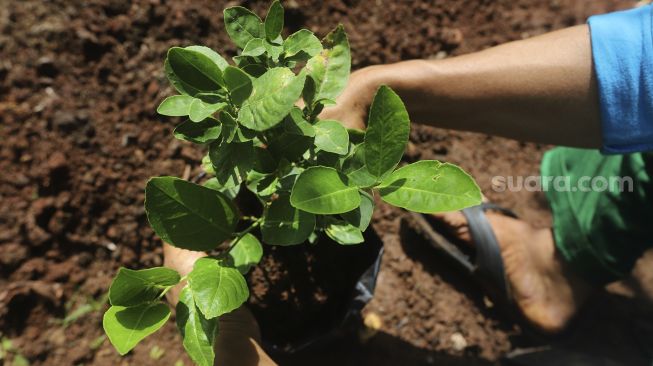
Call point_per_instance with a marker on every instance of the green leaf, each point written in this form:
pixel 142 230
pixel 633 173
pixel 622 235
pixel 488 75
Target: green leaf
pixel 131 288
pixel 217 289
pixel 286 225
pixel 195 69
pixel 322 190
pixel 430 186
pixel 327 101
pixel 238 83
pixel 231 131
pixel 273 50
pixel 296 124
pixel 197 332
pixel 230 189
pixel 232 161
pixel 263 185
pixel 202 132
pixel 242 25
pixel 331 136
pixel 247 253
pixel 328 159
pixel 361 216
pixel 387 132
pixel 302 41
pixel 126 327
pixel 255 70
pixel 176 82
pixel 199 110
pixel 356 171
pixel 274 95
pixel 330 68
pixel 274 21
pixel 212 98
pixel 214 56
pixel 207 167
pixel 308 94
pixel 255 47
pixel 263 161
pixel 229 127
pixel 343 232
pixel 188 215
pixel 175 106
pixel 290 146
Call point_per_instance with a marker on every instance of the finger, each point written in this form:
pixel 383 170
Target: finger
pixel 349 118
pixel 182 261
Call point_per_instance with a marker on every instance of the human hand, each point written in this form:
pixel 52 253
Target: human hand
pixel 239 337
pixel 353 104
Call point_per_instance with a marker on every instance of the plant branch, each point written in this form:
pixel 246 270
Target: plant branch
pixel 241 234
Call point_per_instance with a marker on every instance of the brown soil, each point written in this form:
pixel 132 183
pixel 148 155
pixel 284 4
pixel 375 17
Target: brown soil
pixel 79 84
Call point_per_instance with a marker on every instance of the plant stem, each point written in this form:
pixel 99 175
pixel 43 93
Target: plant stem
pixel 165 291
pixel 241 234
pixel 250 218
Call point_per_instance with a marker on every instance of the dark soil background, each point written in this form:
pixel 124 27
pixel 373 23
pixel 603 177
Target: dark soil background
pixel 79 84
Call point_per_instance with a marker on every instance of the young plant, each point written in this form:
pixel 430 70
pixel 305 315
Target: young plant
pixel 311 176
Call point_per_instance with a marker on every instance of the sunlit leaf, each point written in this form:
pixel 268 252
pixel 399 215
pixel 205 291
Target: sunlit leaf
pixel 242 25
pixel 199 110
pixel 323 190
pixel 131 288
pixel 127 326
pixel 330 68
pixel 343 232
pixel 274 95
pixel 255 47
pixel 188 215
pixel 246 253
pixel 331 136
pixel 197 332
pixel 387 132
pixel 216 288
pixel 195 69
pixel 175 106
pixel 430 186
pixel 274 21
pixel 302 42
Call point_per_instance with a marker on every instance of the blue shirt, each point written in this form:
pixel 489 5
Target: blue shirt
pixel 622 49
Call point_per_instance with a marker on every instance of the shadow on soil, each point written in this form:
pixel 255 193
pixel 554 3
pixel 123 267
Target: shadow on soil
pixel 382 350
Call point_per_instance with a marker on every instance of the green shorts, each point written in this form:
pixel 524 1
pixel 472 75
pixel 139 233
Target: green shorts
pixel 602 209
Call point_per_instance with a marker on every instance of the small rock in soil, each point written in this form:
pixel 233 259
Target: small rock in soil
pixel 64 121
pixel 459 342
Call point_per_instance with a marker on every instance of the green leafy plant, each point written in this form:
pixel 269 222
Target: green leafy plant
pixel 312 177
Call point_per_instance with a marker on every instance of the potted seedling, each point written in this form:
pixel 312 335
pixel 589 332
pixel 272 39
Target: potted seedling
pixel 311 177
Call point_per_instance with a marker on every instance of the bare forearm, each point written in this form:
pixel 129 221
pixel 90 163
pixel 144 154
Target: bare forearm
pixel 541 89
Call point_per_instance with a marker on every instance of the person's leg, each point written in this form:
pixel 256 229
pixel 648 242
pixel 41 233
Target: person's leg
pixel 542 285
pixel 603 219
pixel 550 273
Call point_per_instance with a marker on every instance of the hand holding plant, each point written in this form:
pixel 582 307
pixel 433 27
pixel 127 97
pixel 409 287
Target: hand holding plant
pixel 311 176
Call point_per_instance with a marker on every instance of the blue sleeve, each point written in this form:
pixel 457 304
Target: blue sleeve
pixel 622 49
